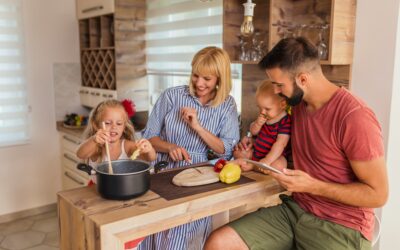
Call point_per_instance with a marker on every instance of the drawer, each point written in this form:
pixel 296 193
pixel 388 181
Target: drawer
pixel 70 161
pixel 70 143
pixel 71 180
pixel 91 97
pixel 91 8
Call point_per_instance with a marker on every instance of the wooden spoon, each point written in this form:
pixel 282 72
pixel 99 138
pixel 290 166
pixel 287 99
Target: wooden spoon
pixel 110 169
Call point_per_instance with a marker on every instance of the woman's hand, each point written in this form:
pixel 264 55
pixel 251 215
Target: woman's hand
pixel 189 115
pixel 179 153
pixel 144 146
pixel 101 136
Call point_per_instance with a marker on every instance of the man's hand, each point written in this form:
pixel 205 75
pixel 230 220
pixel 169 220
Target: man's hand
pixel 295 180
pixel 243 165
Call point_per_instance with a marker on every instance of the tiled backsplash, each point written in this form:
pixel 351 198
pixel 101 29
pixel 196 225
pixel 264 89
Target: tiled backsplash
pixel 67 80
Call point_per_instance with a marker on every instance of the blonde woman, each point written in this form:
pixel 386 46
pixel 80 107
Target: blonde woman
pixel 185 123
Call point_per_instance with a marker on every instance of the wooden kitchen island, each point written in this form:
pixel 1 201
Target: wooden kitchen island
pixel 88 221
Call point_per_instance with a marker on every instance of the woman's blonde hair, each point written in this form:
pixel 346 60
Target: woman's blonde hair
pixel 213 61
pixel 95 119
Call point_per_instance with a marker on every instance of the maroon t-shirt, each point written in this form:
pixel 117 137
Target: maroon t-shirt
pixel 323 142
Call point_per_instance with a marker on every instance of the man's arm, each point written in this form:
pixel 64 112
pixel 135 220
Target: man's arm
pixel 371 189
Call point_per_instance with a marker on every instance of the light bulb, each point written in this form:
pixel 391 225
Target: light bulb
pixel 247 27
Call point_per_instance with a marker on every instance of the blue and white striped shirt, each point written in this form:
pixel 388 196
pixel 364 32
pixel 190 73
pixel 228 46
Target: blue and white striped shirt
pixel 166 122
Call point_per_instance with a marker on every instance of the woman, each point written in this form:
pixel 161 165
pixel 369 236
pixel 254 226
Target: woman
pixel 185 123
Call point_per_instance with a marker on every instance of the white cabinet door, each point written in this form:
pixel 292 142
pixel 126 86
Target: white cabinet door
pixel 71 180
pixel 91 8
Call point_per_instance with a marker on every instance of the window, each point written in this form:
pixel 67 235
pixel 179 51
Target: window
pixel 13 96
pixel 175 31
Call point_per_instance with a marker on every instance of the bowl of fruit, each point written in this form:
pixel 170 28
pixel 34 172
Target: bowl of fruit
pixel 75 121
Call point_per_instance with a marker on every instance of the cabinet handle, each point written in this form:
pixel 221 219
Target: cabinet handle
pixel 66 156
pixel 92 93
pixel 71 140
pixel 73 178
pixel 99 7
pixel 104 95
pixel 97 94
pixel 110 96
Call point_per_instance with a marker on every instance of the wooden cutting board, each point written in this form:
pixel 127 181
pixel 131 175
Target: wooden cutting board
pixel 196 177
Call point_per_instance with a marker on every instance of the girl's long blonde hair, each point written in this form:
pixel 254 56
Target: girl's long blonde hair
pixel 95 119
pixel 213 61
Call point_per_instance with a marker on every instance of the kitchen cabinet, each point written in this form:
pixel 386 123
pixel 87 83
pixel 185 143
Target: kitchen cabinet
pixel 276 19
pixel 71 176
pixel 112 49
pixel 91 8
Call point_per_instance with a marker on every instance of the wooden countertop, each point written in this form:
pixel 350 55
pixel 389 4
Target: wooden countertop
pixel 78 132
pixel 88 221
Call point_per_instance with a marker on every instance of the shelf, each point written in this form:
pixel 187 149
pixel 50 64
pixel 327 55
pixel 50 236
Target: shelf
pixel 339 15
pixel 99 48
pixel 272 19
pixel 97 32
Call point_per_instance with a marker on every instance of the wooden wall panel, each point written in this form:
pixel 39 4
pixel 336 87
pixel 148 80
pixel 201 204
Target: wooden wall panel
pixel 130 42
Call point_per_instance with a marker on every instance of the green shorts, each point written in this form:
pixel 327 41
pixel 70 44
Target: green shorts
pixel 287 226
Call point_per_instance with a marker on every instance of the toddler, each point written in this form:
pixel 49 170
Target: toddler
pixel 271 129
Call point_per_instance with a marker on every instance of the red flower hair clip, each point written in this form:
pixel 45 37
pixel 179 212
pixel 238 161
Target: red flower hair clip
pixel 130 107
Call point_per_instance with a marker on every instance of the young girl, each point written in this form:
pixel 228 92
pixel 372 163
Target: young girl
pixel 118 132
pixel 271 129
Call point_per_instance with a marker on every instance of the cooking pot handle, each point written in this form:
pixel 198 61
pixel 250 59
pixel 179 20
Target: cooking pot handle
pixel 86 168
pixel 159 166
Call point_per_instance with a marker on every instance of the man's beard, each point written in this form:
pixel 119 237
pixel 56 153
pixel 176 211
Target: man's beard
pixel 296 97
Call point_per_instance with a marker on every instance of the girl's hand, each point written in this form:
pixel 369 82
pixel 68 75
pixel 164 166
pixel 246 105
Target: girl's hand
pixel 144 146
pixel 179 153
pixel 189 115
pixel 101 136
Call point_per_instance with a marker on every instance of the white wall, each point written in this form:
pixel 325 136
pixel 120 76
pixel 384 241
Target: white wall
pixel 30 174
pixel 376 79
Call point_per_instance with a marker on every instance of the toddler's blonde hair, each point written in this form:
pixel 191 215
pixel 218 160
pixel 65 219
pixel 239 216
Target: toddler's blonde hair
pixel 266 88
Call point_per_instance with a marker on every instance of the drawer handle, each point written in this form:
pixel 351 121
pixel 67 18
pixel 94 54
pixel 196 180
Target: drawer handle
pixel 71 140
pixel 73 178
pixel 66 156
pixel 100 7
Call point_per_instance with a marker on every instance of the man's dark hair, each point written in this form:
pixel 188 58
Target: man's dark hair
pixel 290 53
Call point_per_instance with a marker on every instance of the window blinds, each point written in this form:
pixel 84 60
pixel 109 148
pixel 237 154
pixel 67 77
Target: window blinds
pixel 13 96
pixel 175 31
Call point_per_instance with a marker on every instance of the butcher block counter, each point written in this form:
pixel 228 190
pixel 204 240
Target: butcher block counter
pixel 88 221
